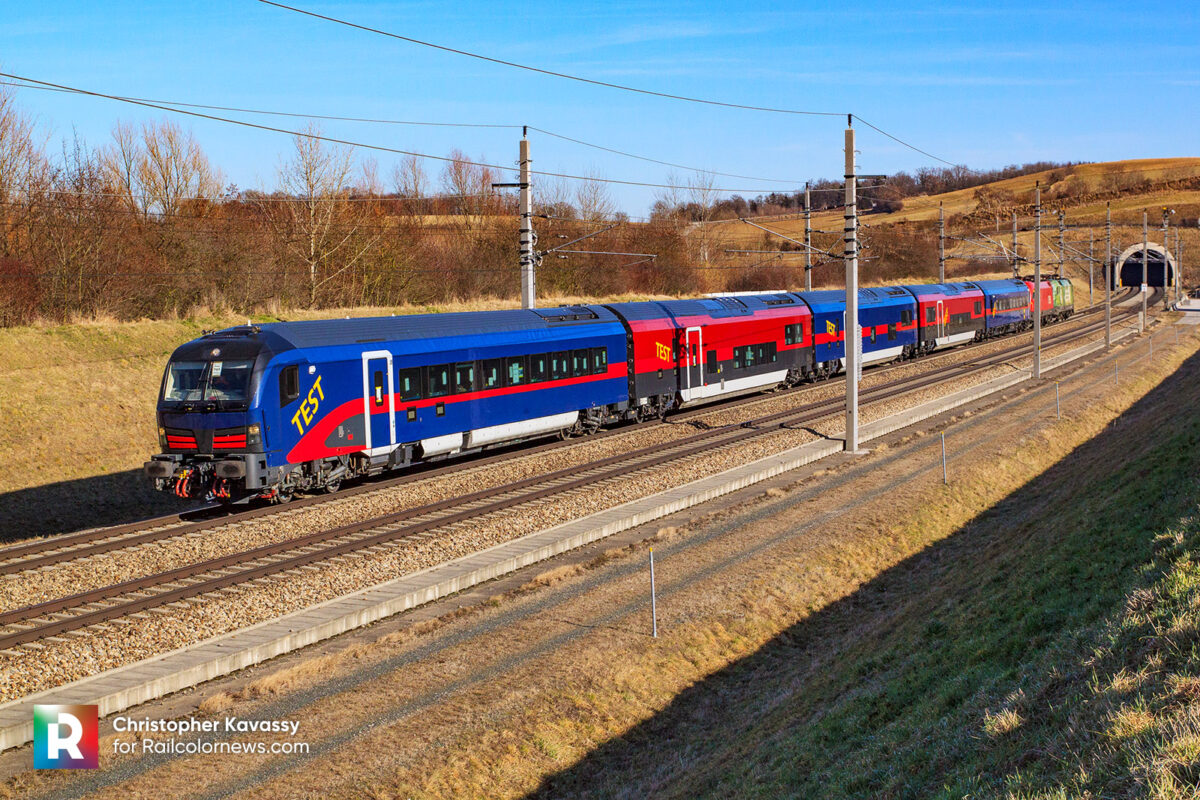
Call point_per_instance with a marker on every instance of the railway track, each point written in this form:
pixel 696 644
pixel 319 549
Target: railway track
pixel 85 544
pixel 162 591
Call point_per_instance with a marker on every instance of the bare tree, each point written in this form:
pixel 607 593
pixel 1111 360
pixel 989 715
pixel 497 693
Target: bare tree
pixel 593 200
pixel 173 168
pixel 411 183
pixel 319 224
pixel 22 167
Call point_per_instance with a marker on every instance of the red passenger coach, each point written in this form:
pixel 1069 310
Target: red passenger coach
pixel 685 351
pixel 948 314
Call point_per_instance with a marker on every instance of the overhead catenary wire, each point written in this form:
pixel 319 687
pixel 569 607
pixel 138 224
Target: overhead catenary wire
pixel 606 84
pixel 382 121
pixel 366 146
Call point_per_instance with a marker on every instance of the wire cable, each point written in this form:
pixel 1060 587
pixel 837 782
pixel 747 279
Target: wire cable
pixel 380 148
pixel 552 73
pixel 377 121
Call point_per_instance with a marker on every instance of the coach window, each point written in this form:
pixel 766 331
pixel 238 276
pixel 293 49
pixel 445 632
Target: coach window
pixel 409 381
pixel 872 328
pixel 905 316
pixel 579 363
pixel 439 380
pixel 539 367
pixel 514 370
pixel 490 374
pixel 289 385
pixel 749 356
pixel 931 314
pixel 599 356
pixel 978 306
pixel 712 362
pixel 559 368
pixel 464 377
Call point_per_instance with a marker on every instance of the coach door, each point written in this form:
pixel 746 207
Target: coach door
pixel 693 359
pixel 941 319
pixel 378 401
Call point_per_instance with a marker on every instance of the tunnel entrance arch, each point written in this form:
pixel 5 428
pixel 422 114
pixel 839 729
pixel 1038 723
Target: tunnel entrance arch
pixel 1159 264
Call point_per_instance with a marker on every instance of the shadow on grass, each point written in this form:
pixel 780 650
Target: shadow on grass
pixel 895 690
pixel 84 503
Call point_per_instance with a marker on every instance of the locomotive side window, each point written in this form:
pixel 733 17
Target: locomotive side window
pixel 599 360
pixel 514 370
pixel 464 377
pixel 409 381
pixel 289 385
pixel 490 379
pixel 559 368
pixel 439 380
pixel 539 367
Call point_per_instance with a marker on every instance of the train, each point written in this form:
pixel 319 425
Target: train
pixel 266 411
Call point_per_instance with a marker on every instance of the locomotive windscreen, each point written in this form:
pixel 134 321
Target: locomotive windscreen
pixel 191 381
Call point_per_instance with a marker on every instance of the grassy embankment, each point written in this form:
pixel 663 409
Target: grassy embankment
pixel 1029 631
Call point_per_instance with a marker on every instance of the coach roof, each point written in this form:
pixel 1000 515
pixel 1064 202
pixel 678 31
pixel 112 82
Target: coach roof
pixel 328 332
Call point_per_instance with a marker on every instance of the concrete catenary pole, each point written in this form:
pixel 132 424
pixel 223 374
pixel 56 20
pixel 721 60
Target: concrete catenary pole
pixel 941 244
pixel 852 335
pixel 1109 278
pixel 807 237
pixel 528 257
pixel 1145 268
pixel 1062 231
pixel 1037 281
pixel 1091 262
pixel 1016 260
pixel 1166 248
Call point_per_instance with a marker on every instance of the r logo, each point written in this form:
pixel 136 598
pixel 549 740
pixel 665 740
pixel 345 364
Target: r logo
pixel 66 737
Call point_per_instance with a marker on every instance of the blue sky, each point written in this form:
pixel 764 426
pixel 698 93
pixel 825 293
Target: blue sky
pixel 981 83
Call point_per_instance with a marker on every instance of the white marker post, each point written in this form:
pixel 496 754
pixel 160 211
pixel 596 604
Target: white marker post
pixel 653 600
pixel 945 478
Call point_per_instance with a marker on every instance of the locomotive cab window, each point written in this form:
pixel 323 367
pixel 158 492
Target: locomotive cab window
pixel 185 380
pixel 289 385
pixel 228 380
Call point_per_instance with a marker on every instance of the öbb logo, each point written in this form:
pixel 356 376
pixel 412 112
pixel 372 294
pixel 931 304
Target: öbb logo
pixel 66 737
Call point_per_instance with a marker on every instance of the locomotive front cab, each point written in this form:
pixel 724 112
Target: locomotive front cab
pixel 210 428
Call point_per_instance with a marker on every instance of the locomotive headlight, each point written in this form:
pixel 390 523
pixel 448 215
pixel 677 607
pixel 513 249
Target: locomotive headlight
pixel 253 439
pixel 252 430
pixel 162 437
